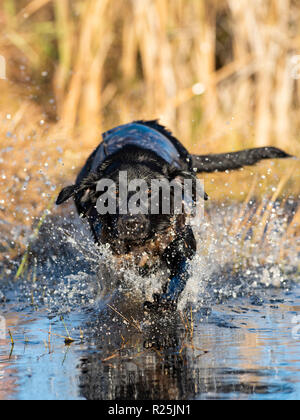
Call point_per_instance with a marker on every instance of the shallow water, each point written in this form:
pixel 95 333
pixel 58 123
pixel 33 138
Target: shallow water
pixel 239 351
pixel 236 334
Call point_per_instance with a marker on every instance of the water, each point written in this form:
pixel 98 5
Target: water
pixel 235 335
pixel 238 351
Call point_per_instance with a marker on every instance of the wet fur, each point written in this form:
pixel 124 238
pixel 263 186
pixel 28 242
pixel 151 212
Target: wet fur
pixel 170 240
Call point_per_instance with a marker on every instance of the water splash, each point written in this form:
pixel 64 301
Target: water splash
pixel 67 270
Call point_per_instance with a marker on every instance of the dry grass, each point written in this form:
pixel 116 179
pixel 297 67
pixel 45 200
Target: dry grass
pixel 220 74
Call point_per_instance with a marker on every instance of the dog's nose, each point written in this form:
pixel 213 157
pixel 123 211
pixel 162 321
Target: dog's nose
pixel 132 227
pixel 131 224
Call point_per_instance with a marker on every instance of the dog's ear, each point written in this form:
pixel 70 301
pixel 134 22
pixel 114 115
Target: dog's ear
pixel 66 193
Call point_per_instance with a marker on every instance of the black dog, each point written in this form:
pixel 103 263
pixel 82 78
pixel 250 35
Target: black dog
pixel 146 150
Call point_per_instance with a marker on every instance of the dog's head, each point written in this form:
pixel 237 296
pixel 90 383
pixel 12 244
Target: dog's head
pixel 130 199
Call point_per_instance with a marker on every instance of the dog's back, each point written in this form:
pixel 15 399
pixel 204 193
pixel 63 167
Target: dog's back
pixel 147 135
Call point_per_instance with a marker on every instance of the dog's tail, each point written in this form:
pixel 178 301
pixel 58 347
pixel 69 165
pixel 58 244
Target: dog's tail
pixel 235 160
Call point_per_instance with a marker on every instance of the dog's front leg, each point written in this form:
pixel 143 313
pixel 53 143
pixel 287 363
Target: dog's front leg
pixel 176 257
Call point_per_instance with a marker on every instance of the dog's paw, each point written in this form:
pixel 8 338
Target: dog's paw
pixel 160 304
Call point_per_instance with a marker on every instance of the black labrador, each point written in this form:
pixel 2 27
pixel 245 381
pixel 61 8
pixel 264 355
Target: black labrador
pixel 147 151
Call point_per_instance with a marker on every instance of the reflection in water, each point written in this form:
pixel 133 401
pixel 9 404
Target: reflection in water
pixel 8 378
pixel 241 352
pixel 223 360
pixel 149 362
pixel 8 372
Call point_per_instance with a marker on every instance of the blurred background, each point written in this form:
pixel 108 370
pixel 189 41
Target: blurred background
pixel 221 74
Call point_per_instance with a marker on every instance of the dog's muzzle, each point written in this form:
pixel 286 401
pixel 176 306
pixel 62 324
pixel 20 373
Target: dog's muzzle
pixel 133 228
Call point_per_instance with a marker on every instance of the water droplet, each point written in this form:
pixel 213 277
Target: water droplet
pixel 198 89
